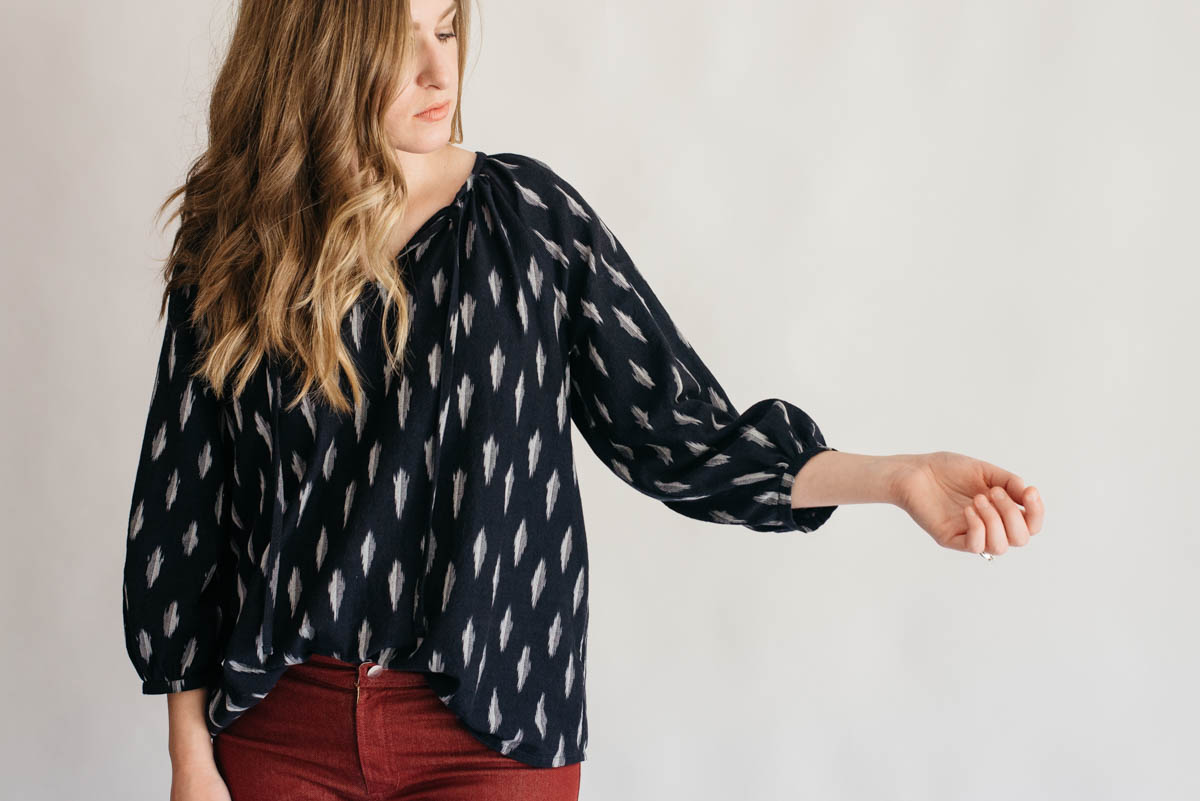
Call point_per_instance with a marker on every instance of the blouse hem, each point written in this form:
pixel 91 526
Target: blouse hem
pixel 520 753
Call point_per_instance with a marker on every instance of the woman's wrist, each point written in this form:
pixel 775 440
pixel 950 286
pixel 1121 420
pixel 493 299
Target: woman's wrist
pixel 192 754
pixel 836 477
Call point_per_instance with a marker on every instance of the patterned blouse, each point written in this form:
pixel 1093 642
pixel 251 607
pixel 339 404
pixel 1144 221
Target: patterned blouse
pixel 439 527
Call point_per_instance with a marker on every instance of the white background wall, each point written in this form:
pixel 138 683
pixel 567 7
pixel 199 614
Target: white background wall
pixel 933 225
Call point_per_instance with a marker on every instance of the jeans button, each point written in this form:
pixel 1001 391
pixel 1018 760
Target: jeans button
pixel 374 670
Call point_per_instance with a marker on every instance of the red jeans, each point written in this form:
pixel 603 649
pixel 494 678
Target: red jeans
pixel 314 738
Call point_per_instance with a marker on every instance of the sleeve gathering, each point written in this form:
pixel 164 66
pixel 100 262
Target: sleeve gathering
pixel 652 411
pixel 171 604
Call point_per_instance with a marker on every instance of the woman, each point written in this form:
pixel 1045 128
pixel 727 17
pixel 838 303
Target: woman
pixel 356 559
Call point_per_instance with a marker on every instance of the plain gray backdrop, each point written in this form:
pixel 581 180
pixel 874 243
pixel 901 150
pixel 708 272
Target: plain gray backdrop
pixel 933 225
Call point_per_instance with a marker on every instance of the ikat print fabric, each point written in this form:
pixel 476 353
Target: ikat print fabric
pixel 439 527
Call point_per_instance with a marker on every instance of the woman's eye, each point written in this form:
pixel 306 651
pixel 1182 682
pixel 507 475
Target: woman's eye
pixel 444 36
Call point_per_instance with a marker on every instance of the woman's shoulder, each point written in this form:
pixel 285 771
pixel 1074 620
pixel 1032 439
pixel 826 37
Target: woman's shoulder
pixel 530 169
pixel 522 163
pixel 538 185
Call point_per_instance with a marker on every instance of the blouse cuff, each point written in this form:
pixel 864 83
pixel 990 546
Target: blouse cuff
pixel 806 518
pixel 160 684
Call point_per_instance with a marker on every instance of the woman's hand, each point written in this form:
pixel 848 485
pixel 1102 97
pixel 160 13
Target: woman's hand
pixel 967 504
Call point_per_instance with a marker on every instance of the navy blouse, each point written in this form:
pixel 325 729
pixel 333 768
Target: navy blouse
pixel 439 528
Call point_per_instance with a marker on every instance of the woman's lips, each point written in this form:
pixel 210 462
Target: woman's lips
pixel 435 113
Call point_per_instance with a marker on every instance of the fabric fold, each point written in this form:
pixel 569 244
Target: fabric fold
pixel 278 505
pixel 444 388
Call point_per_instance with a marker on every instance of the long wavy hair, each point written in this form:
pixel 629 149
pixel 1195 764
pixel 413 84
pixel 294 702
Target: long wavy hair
pixel 285 216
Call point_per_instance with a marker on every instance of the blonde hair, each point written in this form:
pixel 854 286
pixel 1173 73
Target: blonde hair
pixel 285 216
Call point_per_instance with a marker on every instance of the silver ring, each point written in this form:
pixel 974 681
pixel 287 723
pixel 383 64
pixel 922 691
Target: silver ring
pixel 986 556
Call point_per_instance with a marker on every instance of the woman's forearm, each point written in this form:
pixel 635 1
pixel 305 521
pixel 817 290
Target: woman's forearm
pixel 836 477
pixel 188 737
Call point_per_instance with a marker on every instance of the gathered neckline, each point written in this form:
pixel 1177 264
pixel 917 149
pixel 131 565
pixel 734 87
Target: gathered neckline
pixel 439 215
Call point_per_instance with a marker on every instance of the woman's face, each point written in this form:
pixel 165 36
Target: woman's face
pixel 432 80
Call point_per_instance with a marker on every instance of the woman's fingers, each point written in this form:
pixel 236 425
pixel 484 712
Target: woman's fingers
pixel 975 538
pixel 1035 512
pixel 995 521
pixel 997 542
pixel 996 476
pixel 1009 513
pixel 1014 486
pixel 1014 521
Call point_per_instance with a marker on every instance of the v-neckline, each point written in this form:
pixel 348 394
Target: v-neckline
pixel 441 213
